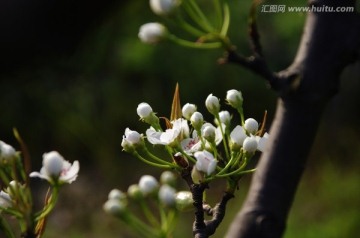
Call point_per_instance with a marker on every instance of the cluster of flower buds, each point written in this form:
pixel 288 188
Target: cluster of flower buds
pixel 150 192
pixel 209 32
pixel 213 150
pixel 16 197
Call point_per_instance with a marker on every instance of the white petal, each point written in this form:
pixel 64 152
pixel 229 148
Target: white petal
pixel 71 174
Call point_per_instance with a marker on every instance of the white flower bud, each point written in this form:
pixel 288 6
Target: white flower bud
pixel 7 152
pixel 234 98
pixel 148 184
pixel 224 118
pixel 53 163
pixel 212 104
pixel 164 7
pixel 5 200
pixel 115 207
pixel 144 110
pixel 152 33
pixel 168 177
pixel 197 120
pixel 167 195
pixel 187 110
pixel 117 194
pixel 250 144
pixel 251 126
pixel 208 132
pixel 134 192
pixel 184 201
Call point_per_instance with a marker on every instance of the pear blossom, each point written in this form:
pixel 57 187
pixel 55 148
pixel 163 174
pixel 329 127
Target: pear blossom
pixel 251 125
pixel 237 137
pixel 187 110
pixel 56 169
pixel 197 120
pixel 191 144
pixel 168 177
pixel 7 152
pixel 184 201
pixel 152 33
pixel 224 118
pixel 131 140
pixel 167 195
pixel 205 162
pixel 262 141
pixel 134 192
pixel 164 7
pixel 115 207
pixel 234 98
pixel 208 132
pixel 5 200
pixel 218 134
pixel 250 144
pixel 116 194
pixel 148 184
pixel 212 104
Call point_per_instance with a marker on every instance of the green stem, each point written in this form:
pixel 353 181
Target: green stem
pixel 228 165
pixel 223 135
pixel 226 21
pixel 136 154
pixel 197 15
pixel 196 45
pixel 4 227
pixel 152 156
pixel 218 12
pixel 148 214
pixel 140 227
pixel 241 113
pixel 187 27
pixel 50 204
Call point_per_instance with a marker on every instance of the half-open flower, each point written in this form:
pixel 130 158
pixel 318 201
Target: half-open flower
pixel 7 152
pixel 237 137
pixel 56 169
pixel 131 140
pixel 262 141
pixel 205 162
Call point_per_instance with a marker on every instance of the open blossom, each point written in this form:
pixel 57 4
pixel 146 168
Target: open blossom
pixel 164 7
pixel 56 170
pixel 205 162
pixel 191 144
pixel 152 33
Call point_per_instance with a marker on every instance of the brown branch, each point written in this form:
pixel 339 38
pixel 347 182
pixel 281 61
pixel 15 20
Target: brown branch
pixel 330 42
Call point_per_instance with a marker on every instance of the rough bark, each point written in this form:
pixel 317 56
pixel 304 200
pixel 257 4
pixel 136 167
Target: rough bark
pixel 329 43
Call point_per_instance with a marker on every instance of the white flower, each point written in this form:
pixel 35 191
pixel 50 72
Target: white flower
pixel 262 141
pixel 148 184
pixel 212 104
pixel 152 33
pixel 131 140
pixel 251 125
pixel 164 7
pixel 197 120
pixel 144 110
pixel 237 137
pixel 187 110
pixel 218 135
pixel 7 152
pixel 234 98
pixel 57 170
pixel 250 144
pixel 171 136
pixel 205 162
pixel 191 145
pixel 5 200
pixel 167 195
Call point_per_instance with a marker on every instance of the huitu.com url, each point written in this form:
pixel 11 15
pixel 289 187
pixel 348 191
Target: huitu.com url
pixel 268 8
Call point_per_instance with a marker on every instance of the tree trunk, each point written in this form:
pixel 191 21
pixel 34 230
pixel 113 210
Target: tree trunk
pixel 329 43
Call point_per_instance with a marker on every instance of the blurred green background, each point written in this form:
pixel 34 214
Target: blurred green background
pixel 80 102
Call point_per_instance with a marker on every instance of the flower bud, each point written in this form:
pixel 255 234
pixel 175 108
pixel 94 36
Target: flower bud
pixel 237 137
pixel 7 152
pixel 250 144
pixel 115 207
pixel 251 126
pixel 146 113
pixel 196 175
pixel 168 177
pixel 187 110
pixel 224 118
pixel 152 33
pixel 134 192
pixel 164 7
pixel 209 133
pixel 212 104
pixel 148 184
pixel 184 201
pixel 167 195
pixel 5 200
pixel 197 120
pixel 234 98
pixel 117 194
pixel 53 163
